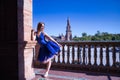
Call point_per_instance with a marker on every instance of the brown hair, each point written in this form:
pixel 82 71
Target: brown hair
pixel 40 24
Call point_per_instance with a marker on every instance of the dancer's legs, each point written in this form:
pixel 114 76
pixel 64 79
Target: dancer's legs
pixel 47 68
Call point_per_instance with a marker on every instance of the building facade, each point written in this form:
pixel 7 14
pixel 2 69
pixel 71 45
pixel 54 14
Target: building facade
pixel 67 36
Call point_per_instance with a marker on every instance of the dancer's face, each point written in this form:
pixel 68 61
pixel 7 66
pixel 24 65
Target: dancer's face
pixel 42 27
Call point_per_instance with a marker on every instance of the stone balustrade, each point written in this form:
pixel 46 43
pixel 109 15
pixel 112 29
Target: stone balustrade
pixel 87 56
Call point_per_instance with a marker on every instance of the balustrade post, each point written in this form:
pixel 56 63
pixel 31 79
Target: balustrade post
pixel 78 52
pixel 63 54
pixel 53 60
pixel 68 54
pixel 89 54
pixel 73 54
pixel 95 55
pixel 101 56
pixel 107 56
pixel 83 54
pixel 114 56
pixel 59 59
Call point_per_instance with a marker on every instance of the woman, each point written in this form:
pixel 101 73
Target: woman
pixel 48 47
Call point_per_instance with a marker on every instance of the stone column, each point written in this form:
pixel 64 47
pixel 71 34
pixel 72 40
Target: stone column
pixel 25 45
pixel 28 60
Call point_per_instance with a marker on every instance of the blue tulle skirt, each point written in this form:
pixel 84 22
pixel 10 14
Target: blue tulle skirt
pixel 48 51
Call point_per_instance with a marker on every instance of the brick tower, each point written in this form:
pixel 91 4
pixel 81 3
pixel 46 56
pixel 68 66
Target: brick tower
pixel 68 35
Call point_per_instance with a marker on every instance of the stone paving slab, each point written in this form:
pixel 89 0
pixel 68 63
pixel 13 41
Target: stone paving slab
pixel 67 75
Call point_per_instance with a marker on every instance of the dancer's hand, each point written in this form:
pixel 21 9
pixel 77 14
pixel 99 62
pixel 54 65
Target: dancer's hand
pixel 60 45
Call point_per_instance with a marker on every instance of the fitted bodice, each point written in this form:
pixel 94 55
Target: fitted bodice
pixel 41 39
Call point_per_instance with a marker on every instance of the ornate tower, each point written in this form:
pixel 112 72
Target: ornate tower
pixel 68 35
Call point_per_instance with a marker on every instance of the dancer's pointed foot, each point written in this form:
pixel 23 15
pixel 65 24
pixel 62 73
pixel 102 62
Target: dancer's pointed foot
pixel 46 74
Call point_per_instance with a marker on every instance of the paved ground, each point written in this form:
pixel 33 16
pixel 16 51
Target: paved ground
pixel 67 75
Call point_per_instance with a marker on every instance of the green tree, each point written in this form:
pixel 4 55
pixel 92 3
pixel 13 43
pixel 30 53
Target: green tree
pixel 97 37
pixel 75 38
pixel 84 34
pixel 98 33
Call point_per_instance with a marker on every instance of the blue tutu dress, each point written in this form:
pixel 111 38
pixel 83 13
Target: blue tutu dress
pixel 47 48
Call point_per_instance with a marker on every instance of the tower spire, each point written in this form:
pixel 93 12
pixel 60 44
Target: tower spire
pixel 68 30
pixel 68 22
pixel 68 25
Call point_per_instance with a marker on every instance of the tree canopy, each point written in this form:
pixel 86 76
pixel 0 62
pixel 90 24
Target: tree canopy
pixel 98 36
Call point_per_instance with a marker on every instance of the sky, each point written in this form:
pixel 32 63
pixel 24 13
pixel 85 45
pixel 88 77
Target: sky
pixel 87 16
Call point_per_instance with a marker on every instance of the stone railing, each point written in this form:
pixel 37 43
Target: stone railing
pixel 88 56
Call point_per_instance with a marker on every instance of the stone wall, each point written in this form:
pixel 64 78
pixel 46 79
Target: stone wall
pixel 27 19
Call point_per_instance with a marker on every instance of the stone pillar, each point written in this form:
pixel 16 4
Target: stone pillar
pixel 28 59
pixel 25 45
